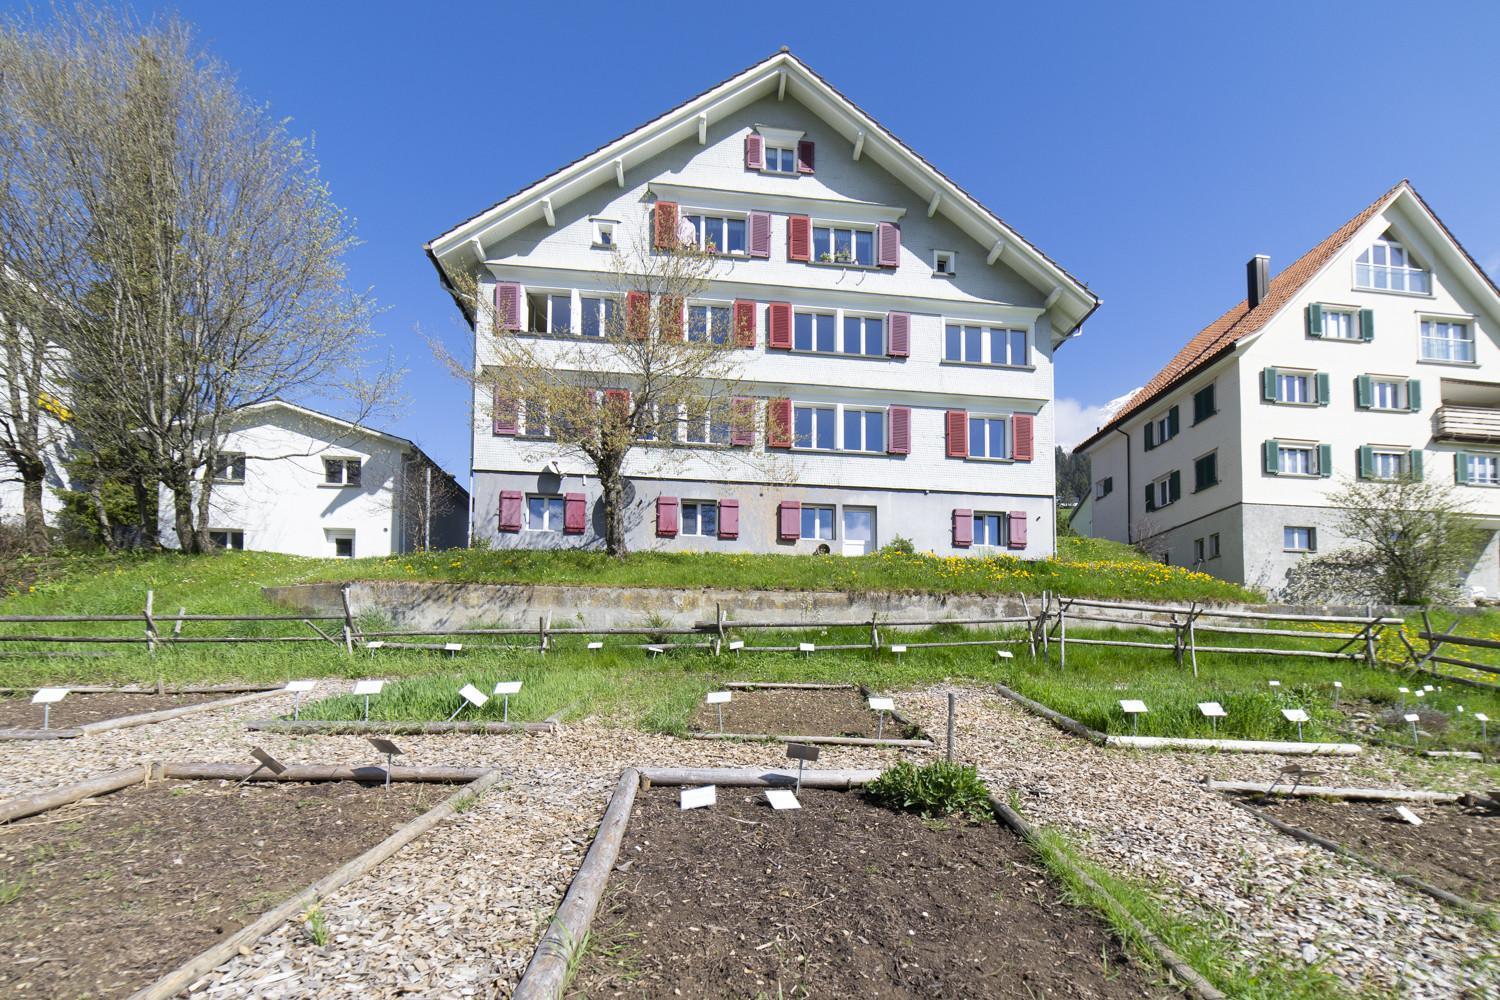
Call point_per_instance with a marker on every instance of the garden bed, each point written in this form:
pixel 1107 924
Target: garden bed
pixel 85 713
pixel 839 897
pixel 828 714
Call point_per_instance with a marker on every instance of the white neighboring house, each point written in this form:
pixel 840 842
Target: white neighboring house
pixel 302 482
pixel 900 329
pixel 1375 353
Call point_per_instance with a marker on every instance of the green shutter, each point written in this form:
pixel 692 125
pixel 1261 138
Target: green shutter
pixel 1325 460
pixel 1367 325
pixel 1460 467
pixel 1315 320
pixel 1150 434
pixel 1174 486
pixel 1268 385
pixel 1271 454
pixel 1362 392
pixel 1366 461
pixel 1150 498
pixel 1413 394
pixel 1414 463
pixel 1323 392
pixel 1172 422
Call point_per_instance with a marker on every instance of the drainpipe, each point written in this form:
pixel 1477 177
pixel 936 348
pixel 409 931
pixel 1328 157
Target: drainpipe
pixel 1129 486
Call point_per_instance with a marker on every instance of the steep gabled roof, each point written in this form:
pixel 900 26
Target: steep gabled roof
pixel 1220 337
pixel 349 427
pixel 779 74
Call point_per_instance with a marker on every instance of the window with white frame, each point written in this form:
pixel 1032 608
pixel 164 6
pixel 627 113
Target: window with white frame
pixel 1213 545
pixel 864 430
pixel 1447 340
pixel 991 529
pixel 707 422
pixel 1484 470
pixel 549 312
pixel 721 232
pixel 834 243
pixel 817 522
pixel 1387 393
pixel 864 335
pixel 1163 428
pixel 989 436
pixel 660 424
pixel 604 232
pixel 227 538
pixel 978 345
pixel 597 315
pixel 781 159
pixel 1294 387
pixel 544 513
pixel 1340 324
pixel 944 263
pixel 700 517
pixel 1296 538
pixel 1296 460
pixel 1387 463
pixel 534 422
pixel 343 544
pixel 1162 489
pixel 1104 487
pixel 814 427
pixel 342 471
pixel 229 467
pixel 814 331
pixel 1387 266
pixel 709 323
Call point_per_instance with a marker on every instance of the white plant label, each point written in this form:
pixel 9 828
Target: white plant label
pixel 368 687
pixel 1481 717
pixel 375 644
pixel 508 687
pixel 1005 654
pixel 1294 714
pixel 1412 717
pixel 736 643
pixel 1131 706
pixel 596 645
pixel 1338 684
pixel 898 649
pixel 473 695
pixel 806 647
pixel 698 798
pixel 1212 709
pixel 49 696
pixel 653 649
pixel 782 798
pixel 1428 687
pixel 719 697
pixel 1274 684
pixel 1409 816
pixel 453 647
pixel 882 704
pixel 1404 690
pixel 300 687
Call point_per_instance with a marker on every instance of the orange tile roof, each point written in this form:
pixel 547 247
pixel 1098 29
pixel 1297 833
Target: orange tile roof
pixel 1220 336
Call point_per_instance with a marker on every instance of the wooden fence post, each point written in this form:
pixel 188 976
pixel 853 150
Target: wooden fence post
pixel 348 620
pixel 1192 636
pixel 874 631
pixel 1062 634
pixel 150 623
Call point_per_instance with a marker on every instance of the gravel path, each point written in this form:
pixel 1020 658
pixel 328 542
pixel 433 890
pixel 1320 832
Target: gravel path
pixel 458 912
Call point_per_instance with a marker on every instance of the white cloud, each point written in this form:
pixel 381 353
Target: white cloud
pixel 1076 421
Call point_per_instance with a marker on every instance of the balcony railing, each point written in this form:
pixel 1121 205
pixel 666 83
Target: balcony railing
pixel 1466 423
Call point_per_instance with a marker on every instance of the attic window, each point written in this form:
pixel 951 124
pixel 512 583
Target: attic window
pixel 944 263
pixel 1387 266
pixel 604 233
pixel 781 160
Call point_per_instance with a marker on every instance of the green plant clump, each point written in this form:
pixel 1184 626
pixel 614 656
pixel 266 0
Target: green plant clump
pixel 933 790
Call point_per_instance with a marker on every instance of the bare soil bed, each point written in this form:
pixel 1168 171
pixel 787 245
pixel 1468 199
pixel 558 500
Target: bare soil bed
pixel 793 712
pixel 840 898
pixel 76 709
pixel 102 897
pixel 1456 847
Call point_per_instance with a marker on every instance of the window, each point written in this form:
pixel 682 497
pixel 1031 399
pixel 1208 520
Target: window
pixel 1296 539
pixel 1387 463
pixel 1387 394
pixel 1386 266
pixel 544 513
pixel 864 335
pixel 1295 460
pixel 604 233
pixel 864 430
pixel 989 437
pixel 229 467
pixel 341 471
pixel 1206 471
pixel 707 422
pixel 1163 428
pixel 549 312
pixel 708 323
pixel 817 523
pixel 1213 545
pixel 814 332
pixel 1484 470
pixel 718 233
pixel 534 420
pixel 1200 550
pixel 944 263
pixel 1162 490
pixel 1340 324
pixel 813 427
pixel 597 316
pixel 700 517
pixel 343 546
pixel 1447 340
pixel 1104 487
pixel 227 538
pixel 1293 387
pixel 781 160
pixel 843 245
pixel 992 530
pixel 967 343
pixel 1205 404
pixel 660 424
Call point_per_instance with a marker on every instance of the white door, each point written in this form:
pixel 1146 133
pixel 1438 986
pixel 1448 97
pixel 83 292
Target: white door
pixel 859 531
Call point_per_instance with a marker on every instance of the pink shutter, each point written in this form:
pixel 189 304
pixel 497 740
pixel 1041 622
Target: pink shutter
pixel 755 152
pixel 744 323
pixel 898 340
pixel 1021 431
pixel 963 528
pixel 798 237
pixel 510 510
pixel 637 315
pixel 805 156
pixel 899 442
pixel 666 517
pixel 1017 529
pixel 503 412
pixel 958 433
pixel 779 423
pixel 665 235
pixel 789 520
pixel 573 513
pixel 742 422
pixel 729 519
pixel 779 326
pixel 888 237
pixel 508 305
pixel 760 234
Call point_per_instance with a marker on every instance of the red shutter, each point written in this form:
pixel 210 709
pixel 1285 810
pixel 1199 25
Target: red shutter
pixel 1021 431
pixel 1017 529
pixel 889 239
pixel 508 305
pixel 573 513
pixel 798 237
pixel 744 323
pixel 669 316
pixel 900 431
pixel 510 510
pixel 898 341
pixel 779 326
pixel 666 517
pixel 665 234
pixel 805 156
pixel 779 423
pixel 789 520
pixel 760 234
pixel 617 401
pixel 504 414
pixel 958 433
pixel 637 315
pixel 729 519
pixel 755 152
pixel 742 422
pixel 963 528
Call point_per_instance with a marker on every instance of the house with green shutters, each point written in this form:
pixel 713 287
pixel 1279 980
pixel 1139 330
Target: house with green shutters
pixel 1374 355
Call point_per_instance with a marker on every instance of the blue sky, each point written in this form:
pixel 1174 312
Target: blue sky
pixel 1151 148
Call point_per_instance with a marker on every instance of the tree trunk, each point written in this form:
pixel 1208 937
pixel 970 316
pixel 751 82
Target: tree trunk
pixel 612 485
pixel 31 505
pixel 182 514
pixel 101 515
pixel 205 500
pixel 148 512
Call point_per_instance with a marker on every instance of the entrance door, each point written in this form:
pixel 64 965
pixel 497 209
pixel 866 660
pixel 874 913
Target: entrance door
pixel 859 531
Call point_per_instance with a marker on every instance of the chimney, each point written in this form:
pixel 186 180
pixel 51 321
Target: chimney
pixel 1257 279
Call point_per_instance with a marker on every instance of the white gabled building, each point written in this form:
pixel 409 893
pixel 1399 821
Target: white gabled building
pixel 906 331
pixel 1375 353
pixel 294 480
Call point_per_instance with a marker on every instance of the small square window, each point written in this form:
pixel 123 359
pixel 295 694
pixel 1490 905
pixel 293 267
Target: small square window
pixel 1104 487
pixel 817 523
pixel 1299 539
pixel 781 160
pixel 944 263
pixel 604 233
pixel 700 517
pixel 227 538
pixel 343 543
pixel 229 468
pixel 342 471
